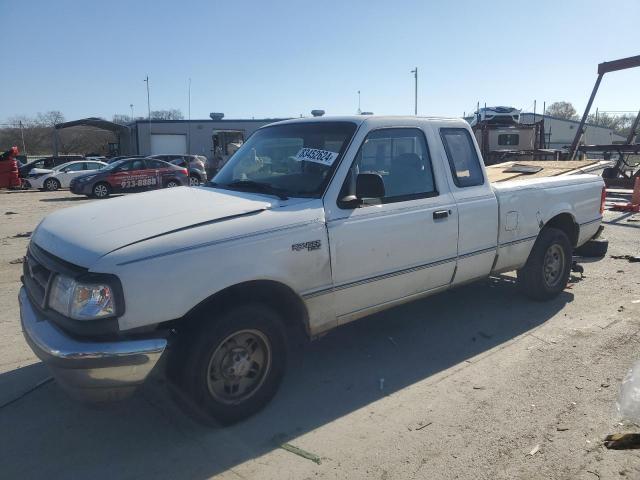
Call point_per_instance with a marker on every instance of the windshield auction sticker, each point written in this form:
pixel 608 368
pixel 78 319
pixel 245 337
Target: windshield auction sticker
pixel 324 157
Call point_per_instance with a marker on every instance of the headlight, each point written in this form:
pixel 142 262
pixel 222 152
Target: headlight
pixel 81 301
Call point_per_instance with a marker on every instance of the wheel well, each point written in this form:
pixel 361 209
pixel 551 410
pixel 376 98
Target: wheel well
pixel 567 224
pixel 276 295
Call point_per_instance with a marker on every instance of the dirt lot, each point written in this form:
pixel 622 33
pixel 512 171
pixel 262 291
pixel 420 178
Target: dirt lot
pixel 474 381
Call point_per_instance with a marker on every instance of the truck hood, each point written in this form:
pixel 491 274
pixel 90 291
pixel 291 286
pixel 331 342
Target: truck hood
pixel 81 235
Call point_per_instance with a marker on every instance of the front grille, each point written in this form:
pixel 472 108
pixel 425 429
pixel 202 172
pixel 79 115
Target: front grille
pixel 36 278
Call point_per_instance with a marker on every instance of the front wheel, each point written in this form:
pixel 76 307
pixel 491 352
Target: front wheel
pixel 172 184
pixel 547 270
pixel 101 190
pixel 51 184
pixel 232 367
pixel 194 181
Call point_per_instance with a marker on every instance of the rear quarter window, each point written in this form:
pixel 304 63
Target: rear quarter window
pixel 462 156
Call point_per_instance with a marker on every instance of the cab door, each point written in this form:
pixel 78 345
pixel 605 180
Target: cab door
pixel 477 242
pixel 401 246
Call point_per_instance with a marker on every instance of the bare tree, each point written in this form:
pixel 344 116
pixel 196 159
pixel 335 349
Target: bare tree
pixel 562 110
pixel 38 134
pixel 171 114
pixel 621 124
pixel 121 119
pixel 49 119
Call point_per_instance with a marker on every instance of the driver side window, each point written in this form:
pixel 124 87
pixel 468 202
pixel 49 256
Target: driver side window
pixel 401 158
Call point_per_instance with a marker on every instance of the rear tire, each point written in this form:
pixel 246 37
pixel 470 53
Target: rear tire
pixel 51 185
pixel 194 181
pixel 101 190
pixel 548 267
pixel 231 367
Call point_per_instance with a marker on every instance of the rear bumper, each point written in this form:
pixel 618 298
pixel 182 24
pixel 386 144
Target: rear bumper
pixel 91 371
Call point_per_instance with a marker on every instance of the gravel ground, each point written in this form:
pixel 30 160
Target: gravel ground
pixel 477 383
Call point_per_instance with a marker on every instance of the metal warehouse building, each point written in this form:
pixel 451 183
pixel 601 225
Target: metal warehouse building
pixel 193 137
pixel 143 137
pixel 560 132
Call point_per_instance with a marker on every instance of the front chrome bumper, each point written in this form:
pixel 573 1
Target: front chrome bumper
pixel 88 370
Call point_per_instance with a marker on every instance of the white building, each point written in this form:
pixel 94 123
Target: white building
pixel 560 132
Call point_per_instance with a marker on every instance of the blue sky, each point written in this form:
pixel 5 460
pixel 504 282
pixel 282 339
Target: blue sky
pixel 284 58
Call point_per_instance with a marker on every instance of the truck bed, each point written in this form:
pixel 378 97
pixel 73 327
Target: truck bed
pixel 526 203
pixel 505 171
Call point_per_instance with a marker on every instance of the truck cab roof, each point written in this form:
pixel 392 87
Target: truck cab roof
pixel 361 119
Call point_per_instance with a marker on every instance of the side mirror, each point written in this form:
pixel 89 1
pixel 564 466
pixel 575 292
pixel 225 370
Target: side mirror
pixel 368 186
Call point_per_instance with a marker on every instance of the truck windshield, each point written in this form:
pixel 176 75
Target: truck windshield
pixel 290 160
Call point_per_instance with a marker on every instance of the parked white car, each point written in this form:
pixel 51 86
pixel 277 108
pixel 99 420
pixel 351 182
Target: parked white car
pixel 312 224
pixel 61 176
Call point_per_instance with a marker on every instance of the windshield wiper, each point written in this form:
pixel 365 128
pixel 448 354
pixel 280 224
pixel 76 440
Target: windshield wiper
pixel 251 185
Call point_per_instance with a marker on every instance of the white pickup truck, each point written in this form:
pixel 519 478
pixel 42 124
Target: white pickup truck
pixel 313 223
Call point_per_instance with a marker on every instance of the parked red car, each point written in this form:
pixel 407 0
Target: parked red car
pixel 130 175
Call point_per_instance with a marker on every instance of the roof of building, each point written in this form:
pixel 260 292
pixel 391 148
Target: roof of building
pixel 93 122
pixel 577 122
pixel 208 120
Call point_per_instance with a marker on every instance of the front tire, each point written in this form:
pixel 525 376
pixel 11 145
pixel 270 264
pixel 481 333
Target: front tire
pixel 194 181
pixel 171 184
pixel 101 190
pixel 230 368
pixel 51 184
pixel 548 267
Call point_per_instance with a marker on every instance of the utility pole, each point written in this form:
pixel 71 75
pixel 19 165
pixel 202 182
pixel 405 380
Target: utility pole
pixel 131 107
pixel 189 121
pixel 24 148
pixel 148 112
pixel 415 76
pixel 359 111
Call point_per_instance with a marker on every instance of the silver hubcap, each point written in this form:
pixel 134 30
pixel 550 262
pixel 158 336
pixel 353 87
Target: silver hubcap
pixel 193 181
pixel 239 366
pixel 172 184
pixel 51 185
pixel 100 191
pixel 553 265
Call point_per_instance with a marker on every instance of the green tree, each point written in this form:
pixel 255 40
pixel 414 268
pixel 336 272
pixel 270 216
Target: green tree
pixel 562 110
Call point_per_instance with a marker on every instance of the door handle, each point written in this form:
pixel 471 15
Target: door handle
pixel 439 214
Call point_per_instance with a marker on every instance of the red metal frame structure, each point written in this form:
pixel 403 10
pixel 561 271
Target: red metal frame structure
pixel 605 67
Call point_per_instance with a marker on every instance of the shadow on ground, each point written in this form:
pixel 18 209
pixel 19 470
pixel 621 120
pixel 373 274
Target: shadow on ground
pixel 71 199
pixel 45 434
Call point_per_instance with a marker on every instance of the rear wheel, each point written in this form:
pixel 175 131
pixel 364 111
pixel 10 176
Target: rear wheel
pixel 101 190
pixel 194 181
pixel 547 270
pixel 51 184
pixel 232 367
